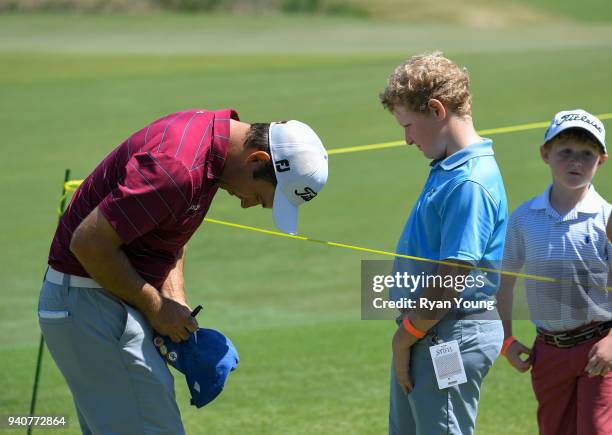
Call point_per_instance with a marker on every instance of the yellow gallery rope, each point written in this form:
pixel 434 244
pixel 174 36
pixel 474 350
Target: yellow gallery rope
pixel 72 185
pixel 500 130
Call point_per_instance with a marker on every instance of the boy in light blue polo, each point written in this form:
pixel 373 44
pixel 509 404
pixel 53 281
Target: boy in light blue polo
pixel 460 217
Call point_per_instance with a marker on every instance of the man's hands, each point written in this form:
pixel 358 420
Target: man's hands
pixel 513 354
pixel 97 246
pixel 172 318
pixel 401 344
pixel 600 357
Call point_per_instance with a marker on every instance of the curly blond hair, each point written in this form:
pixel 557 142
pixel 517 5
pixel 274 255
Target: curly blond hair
pixel 426 76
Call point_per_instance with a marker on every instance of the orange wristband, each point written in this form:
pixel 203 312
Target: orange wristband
pixel 408 326
pixel 507 342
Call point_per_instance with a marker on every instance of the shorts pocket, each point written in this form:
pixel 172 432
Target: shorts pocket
pixel 103 311
pixel 136 327
pixel 53 316
pixel 53 306
pixel 532 355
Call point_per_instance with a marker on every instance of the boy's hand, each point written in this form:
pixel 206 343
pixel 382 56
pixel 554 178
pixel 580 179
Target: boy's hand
pixel 402 343
pixel 514 352
pixel 600 358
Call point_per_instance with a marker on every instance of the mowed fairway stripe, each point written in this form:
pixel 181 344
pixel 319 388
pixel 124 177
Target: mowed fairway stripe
pixel 500 130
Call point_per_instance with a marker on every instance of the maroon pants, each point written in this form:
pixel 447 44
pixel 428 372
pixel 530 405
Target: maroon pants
pixel 569 402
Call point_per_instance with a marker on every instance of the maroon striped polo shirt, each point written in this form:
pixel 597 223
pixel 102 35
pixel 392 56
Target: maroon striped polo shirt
pixel 154 189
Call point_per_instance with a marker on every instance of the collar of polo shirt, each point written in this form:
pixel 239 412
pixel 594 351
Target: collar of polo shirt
pixel 479 149
pixel 591 203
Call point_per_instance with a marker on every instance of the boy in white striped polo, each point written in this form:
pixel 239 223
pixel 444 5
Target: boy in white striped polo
pixel 562 234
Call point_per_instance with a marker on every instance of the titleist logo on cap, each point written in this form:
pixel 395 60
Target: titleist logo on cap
pixel 578 117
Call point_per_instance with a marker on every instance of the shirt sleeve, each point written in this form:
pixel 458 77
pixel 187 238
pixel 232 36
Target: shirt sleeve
pixel 468 221
pixel 514 248
pixel 156 187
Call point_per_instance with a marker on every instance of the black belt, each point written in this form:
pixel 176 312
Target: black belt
pixel 568 339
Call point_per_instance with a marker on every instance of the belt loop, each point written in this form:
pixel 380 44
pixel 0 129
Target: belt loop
pixel 66 282
pixel 45 274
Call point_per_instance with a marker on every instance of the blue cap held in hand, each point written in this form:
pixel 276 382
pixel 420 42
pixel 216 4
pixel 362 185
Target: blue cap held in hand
pixel 206 360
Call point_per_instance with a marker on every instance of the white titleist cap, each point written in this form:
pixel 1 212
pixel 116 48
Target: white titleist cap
pixel 300 164
pixel 577 119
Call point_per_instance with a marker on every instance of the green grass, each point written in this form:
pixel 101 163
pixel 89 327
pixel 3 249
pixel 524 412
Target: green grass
pixel 264 35
pixel 589 10
pixel 308 363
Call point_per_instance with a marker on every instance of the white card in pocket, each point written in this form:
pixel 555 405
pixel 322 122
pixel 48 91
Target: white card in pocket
pixel 448 364
pixel 53 314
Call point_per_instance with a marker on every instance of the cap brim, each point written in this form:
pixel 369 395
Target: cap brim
pixel 592 132
pixel 284 213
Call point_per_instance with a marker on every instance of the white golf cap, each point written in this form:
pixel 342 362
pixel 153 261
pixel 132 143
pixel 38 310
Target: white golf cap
pixel 300 164
pixel 577 119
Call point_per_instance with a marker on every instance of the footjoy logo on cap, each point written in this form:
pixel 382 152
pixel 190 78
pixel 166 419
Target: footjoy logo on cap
pixel 283 166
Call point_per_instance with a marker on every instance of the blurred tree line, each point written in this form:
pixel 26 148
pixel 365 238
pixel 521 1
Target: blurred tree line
pixel 326 7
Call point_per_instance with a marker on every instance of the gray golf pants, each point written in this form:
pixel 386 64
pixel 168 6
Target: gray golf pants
pixel 427 410
pixel 104 349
